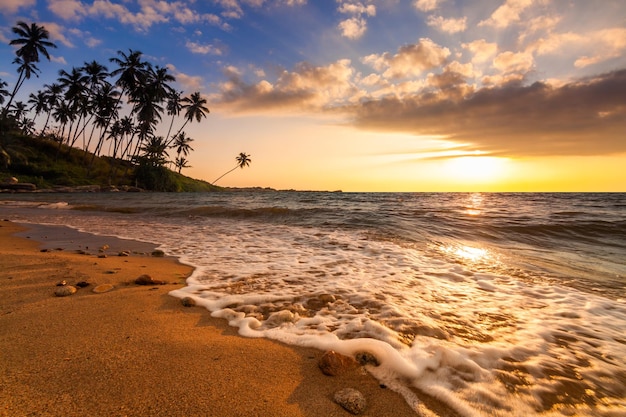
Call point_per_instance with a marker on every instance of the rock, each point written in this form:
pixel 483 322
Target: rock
pixel 158 253
pixel 124 253
pixel 366 358
pixel 188 302
pixel 332 363
pixel 82 284
pixel 64 291
pixel 18 186
pixel 62 283
pixel 103 288
pixel 102 255
pixel 148 280
pixel 351 399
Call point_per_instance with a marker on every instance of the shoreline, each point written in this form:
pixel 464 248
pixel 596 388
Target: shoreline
pixel 137 351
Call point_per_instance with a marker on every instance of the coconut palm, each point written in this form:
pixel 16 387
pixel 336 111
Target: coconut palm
pixel 32 41
pixel 3 91
pixel 39 103
pixel 173 108
pixel 53 94
pixel 182 144
pixel 195 108
pixel 155 151
pixel 243 160
pixel 181 162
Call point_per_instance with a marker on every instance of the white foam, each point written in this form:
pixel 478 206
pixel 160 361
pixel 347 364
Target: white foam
pixel 485 343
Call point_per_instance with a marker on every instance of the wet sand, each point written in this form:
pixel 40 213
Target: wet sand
pixel 136 351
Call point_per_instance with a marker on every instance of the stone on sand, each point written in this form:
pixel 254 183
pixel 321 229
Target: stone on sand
pixel 65 290
pixel 103 288
pixel 351 399
pixel 332 363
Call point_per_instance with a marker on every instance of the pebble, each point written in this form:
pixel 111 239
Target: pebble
pixel 148 280
pixel 188 302
pixel 366 358
pixel 62 283
pixel 332 363
pixel 124 253
pixel 103 288
pixel 64 291
pixel 158 253
pixel 82 284
pixel 350 399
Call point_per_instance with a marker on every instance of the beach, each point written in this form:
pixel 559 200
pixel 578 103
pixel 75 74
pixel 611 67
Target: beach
pixel 137 351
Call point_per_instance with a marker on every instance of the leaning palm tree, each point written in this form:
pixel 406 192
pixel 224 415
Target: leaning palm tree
pixel 39 103
pixel 32 41
pixel 243 160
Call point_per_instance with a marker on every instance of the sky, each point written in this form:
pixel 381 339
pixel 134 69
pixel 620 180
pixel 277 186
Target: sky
pixel 372 95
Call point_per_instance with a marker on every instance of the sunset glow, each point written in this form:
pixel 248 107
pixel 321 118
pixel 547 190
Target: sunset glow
pixel 372 95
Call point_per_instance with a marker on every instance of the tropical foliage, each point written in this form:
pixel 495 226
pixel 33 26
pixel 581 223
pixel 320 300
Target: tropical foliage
pixel 114 112
pixel 243 160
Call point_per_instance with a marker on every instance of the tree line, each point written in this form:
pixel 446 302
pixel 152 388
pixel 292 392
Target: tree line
pixel 85 106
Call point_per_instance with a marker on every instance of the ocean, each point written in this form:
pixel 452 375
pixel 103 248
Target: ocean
pixel 497 304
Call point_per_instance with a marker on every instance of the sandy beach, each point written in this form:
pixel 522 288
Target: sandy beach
pixel 136 351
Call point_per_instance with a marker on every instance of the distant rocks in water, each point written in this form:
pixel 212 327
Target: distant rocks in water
pixel 148 280
pixel 332 363
pixel 351 399
pixel 65 290
pixel 124 253
pixel 158 253
pixel 188 302
pixel 17 187
pixel 103 288
pixel 366 358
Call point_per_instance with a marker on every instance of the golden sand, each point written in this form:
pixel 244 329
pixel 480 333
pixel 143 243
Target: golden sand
pixel 136 351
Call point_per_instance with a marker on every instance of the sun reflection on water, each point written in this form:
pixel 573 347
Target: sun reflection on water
pixel 468 253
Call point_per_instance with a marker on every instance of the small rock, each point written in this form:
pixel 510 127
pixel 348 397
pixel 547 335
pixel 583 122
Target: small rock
pixel 148 280
pixel 62 283
pixel 124 253
pixel 103 288
pixel 82 284
pixel 64 291
pixel 351 399
pixel 188 302
pixel 102 256
pixel 332 363
pixel 158 253
pixel 366 358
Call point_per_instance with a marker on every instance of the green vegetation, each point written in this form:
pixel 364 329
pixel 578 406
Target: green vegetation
pixel 85 139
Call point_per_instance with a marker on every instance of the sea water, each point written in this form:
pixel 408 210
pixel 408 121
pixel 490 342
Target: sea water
pixel 495 304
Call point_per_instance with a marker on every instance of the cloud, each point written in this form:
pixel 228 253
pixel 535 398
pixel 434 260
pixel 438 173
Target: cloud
pixel 507 13
pixel 305 88
pixel 202 49
pixel 57 33
pixel 12 6
pixel 410 60
pixel 483 51
pixel 513 62
pixel 189 82
pixel 67 9
pixel 426 5
pixel 607 43
pixel 447 25
pixel 583 117
pixel 355 26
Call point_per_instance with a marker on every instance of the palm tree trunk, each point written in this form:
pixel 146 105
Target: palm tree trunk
pixel 18 84
pixel 223 175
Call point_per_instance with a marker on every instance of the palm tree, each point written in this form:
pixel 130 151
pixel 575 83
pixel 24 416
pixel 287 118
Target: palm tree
pixel 155 151
pixel 181 162
pixel 32 41
pixel 243 160
pixel 39 103
pixel 53 97
pixel 3 91
pixel 182 144
pixel 195 108
pixel 173 108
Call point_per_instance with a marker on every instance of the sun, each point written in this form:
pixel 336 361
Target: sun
pixel 476 169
